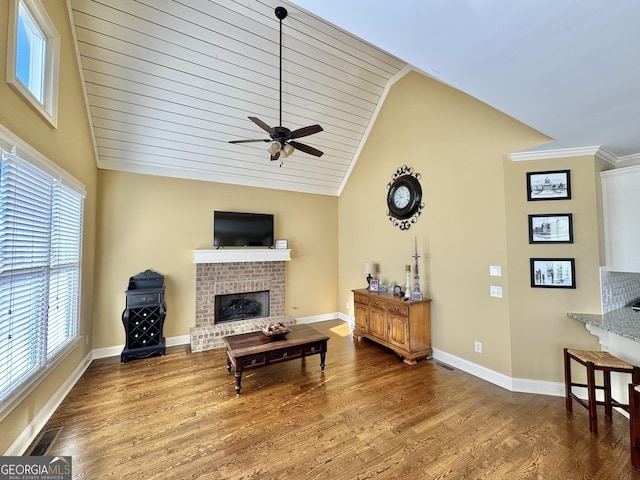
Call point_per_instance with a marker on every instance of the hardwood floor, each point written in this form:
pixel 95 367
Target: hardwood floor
pixel 368 416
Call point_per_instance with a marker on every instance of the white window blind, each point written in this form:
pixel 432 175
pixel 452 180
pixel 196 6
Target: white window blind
pixel 40 246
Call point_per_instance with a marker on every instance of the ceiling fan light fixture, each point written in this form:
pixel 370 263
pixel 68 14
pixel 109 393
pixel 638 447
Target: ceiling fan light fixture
pixel 287 150
pixel 274 148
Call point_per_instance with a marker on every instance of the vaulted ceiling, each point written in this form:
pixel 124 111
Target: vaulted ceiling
pixel 169 83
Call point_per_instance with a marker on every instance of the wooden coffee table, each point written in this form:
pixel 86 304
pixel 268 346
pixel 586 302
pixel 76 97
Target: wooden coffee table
pixel 254 350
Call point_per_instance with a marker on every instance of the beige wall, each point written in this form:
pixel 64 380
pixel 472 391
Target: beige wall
pixel 539 325
pixel 148 222
pixel 475 216
pixel 70 147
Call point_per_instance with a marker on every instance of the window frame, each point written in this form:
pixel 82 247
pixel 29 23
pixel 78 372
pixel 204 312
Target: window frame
pixel 13 146
pixel 49 108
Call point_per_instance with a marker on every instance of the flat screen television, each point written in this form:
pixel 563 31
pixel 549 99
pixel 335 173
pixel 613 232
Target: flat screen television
pixel 235 229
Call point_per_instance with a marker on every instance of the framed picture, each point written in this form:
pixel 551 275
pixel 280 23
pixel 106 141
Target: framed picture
pixel 554 185
pixel 374 286
pixel 551 228
pixel 553 273
pixel 397 290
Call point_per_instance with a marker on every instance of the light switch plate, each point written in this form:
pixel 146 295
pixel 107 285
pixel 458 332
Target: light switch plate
pixel 495 291
pixel 495 271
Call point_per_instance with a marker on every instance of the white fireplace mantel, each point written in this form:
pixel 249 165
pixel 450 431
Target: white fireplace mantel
pixel 242 255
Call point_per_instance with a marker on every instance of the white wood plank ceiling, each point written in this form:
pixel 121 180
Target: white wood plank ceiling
pixel 169 83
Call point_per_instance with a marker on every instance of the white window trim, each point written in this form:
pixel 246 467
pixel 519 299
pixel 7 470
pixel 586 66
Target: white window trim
pixel 48 109
pixel 9 142
pixel 12 143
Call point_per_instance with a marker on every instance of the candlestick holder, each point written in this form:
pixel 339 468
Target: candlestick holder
pixel 416 294
pixel 407 288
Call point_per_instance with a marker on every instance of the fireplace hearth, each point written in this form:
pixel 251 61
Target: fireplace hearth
pixel 246 282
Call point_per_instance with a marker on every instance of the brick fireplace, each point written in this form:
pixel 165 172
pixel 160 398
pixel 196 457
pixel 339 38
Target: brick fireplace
pixel 223 272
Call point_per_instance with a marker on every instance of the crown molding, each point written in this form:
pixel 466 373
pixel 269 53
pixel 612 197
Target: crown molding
pixel 629 160
pixel 596 150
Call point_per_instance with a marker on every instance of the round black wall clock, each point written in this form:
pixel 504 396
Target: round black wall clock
pixel 404 198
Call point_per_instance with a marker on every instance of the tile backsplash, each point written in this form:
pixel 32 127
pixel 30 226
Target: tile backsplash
pixel 618 289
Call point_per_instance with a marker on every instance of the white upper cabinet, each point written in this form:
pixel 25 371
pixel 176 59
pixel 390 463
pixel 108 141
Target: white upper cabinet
pixel 621 211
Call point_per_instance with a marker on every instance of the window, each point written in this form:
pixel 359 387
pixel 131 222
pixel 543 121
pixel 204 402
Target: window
pixel 40 252
pixel 32 60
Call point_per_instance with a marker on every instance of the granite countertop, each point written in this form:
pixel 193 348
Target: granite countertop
pixel 624 321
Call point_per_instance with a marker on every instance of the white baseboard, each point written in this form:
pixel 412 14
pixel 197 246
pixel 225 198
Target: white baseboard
pixel 509 383
pixel 117 350
pixel 107 352
pixel 317 318
pixel 42 417
pixel 180 340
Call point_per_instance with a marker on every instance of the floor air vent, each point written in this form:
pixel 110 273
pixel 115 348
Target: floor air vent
pixel 444 365
pixel 44 442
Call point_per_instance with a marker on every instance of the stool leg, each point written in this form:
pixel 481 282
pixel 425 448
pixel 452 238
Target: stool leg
pixel 567 381
pixel 608 409
pixel 591 387
pixel 634 426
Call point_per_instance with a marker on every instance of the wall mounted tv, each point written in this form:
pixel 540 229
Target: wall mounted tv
pixel 235 229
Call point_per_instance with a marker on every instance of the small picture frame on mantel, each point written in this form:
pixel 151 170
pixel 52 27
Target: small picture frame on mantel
pixel 374 286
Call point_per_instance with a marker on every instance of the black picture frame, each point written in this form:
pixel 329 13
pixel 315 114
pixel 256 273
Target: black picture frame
pixel 374 285
pixel 551 228
pixel 553 272
pixel 550 185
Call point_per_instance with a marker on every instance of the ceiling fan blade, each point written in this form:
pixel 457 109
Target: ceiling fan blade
pixel 249 141
pixel 306 149
pixel 304 131
pixel 261 124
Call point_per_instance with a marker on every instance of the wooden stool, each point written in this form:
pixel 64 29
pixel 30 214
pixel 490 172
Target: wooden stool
pixel 634 423
pixel 606 363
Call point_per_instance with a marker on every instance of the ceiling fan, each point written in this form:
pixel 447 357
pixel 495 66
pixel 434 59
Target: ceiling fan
pixel 283 141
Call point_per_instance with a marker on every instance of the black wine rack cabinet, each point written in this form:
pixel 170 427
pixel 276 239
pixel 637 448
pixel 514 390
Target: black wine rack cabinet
pixel 143 317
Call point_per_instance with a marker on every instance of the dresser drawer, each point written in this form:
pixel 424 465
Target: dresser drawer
pixel 358 298
pixel 398 309
pixel 139 299
pixel 378 303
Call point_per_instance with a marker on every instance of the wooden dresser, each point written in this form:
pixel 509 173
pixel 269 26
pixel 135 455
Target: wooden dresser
pixel 403 326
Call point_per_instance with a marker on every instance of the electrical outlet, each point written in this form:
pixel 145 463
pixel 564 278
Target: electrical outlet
pixel 495 271
pixel 495 291
pixel 477 347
